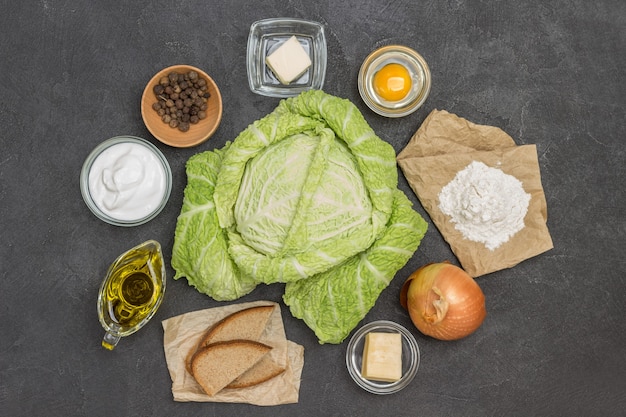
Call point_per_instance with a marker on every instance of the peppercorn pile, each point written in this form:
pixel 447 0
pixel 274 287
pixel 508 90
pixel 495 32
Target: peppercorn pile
pixel 181 99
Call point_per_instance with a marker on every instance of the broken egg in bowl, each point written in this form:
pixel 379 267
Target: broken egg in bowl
pixel 394 81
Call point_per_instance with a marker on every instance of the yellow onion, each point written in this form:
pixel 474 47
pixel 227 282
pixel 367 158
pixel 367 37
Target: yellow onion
pixel 443 301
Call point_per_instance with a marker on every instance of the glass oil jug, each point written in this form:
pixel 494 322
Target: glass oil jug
pixel 131 292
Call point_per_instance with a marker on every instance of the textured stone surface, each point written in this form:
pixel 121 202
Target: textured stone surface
pixel 548 73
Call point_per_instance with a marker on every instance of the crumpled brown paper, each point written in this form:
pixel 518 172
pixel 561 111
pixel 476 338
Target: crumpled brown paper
pixel 183 333
pixel 444 145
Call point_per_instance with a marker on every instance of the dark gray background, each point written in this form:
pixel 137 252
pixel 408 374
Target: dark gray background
pixel 548 73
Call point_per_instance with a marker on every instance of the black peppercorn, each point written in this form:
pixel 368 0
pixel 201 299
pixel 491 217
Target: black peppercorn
pixel 181 99
pixel 183 126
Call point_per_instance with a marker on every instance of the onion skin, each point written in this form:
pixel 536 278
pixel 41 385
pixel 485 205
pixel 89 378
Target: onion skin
pixel 443 301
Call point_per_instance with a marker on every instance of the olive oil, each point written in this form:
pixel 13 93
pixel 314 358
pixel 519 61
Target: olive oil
pixel 131 292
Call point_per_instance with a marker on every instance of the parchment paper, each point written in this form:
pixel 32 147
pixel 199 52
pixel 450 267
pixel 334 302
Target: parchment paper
pixel 183 333
pixel 444 145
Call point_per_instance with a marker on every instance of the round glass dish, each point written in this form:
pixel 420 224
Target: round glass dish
pixel 154 161
pixel 417 69
pixel 410 357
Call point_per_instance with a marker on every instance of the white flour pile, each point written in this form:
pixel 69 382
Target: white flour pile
pixel 485 204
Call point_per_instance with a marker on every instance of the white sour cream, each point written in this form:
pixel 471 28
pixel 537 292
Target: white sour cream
pixel 127 181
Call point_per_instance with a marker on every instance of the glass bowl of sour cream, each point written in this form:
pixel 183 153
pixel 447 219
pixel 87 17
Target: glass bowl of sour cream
pixel 126 181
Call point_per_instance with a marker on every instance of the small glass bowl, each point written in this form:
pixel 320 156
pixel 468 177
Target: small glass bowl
pixel 266 36
pixel 417 68
pixel 86 169
pixel 410 357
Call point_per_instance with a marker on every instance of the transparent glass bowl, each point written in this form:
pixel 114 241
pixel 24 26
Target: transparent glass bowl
pixel 266 36
pixel 410 357
pixel 86 192
pixel 418 71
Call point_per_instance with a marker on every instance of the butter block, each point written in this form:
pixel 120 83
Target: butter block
pixel 289 61
pixel 382 357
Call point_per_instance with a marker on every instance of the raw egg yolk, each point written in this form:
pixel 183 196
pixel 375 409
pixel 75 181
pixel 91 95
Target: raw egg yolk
pixel 392 82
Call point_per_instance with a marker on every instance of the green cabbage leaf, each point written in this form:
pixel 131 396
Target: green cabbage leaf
pixel 305 196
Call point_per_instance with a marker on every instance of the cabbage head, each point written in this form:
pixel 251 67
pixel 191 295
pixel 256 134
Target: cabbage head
pixel 306 196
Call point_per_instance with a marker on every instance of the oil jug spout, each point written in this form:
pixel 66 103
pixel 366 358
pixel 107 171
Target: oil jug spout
pixel 110 340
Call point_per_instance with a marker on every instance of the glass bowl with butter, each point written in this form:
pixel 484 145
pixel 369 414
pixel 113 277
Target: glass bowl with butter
pixel 126 181
pixel 382 357
pixel 286 57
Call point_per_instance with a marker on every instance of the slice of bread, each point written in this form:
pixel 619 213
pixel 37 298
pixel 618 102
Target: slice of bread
pixel 217 365
pixel 248 324
pixel 262 371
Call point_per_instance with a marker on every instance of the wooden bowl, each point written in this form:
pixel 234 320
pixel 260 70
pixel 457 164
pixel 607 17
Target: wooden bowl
pixel 198 132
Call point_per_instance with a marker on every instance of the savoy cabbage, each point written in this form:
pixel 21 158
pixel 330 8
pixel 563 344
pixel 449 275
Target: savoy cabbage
pixel 305 196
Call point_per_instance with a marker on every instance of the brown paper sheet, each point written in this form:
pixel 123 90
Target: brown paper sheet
pixel 444 145
pixel 183 333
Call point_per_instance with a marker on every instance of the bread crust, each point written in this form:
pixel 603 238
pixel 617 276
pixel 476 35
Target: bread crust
pixel 246 325
pixel 218 364
pixel 226 328
pixel 262 371
pixel 229 327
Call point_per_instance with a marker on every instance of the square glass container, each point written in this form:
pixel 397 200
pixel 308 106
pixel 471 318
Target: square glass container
pixel 266 36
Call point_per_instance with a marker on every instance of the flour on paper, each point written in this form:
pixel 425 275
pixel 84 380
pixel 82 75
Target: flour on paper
pixel 485 204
